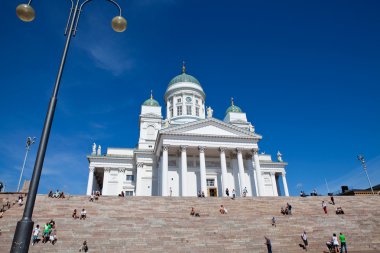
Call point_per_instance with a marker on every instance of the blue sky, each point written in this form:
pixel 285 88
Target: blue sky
pixel 305 72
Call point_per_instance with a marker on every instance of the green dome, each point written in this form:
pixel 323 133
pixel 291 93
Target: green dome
pixel 151 102
pixel 184 78
pixel 233 108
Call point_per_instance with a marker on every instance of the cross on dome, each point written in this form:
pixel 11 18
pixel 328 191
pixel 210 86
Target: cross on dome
pixel 183 67
pixel 233 107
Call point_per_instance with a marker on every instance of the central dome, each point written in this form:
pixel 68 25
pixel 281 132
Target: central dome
pixel 182 78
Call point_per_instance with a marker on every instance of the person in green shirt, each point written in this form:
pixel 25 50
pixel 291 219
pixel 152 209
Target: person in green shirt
pixel 342 239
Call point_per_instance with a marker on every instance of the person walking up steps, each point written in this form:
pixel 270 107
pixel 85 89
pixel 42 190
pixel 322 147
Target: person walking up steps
pixel 324 206
pixel 342 239
pixel 304 239
pixel 268 244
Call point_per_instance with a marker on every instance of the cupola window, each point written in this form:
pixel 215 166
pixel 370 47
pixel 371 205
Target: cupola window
pixel 197 111
pixel 179 100
pixel 179 110
pixel 171 112
pixel 188 109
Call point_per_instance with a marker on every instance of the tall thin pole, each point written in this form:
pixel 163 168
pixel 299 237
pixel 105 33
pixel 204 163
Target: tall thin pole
pixel 327 186
pixel 362 160
pixel 21 239
pixel 29 142
pixel 22 169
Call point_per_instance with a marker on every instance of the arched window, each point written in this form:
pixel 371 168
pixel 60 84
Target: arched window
pixel 150 131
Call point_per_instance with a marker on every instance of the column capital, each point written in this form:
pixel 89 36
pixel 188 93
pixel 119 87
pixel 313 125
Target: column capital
pixel 122 170
pixel 283 174
pixel 183 148
pixel 222 149
pixel 239 150
pixel 255 151
pixel 202 149
pixel 107 170
pixel 272 173
pixel 140 165
pixel 165 147
pixel 92 169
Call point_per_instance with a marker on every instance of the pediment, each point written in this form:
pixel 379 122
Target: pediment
pixel 208 127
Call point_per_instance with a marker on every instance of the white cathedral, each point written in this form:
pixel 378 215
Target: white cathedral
pixel 188 152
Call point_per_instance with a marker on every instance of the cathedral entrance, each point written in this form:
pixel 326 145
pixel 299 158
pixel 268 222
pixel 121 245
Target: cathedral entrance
pixel 213 192
pixel 211 187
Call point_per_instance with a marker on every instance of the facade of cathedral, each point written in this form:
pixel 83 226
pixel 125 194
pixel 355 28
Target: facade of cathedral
pixel 189 152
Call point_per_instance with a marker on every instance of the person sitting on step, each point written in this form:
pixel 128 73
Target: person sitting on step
pixel 91 199
pixel 83 214
pixel 283 211
pixel 222 209
pixel 97 195
pixel 203 194
pixel 84 247
pixel 192 212
pixel 339 210
pixel 274 221
pixel 75 216
pixel 288 209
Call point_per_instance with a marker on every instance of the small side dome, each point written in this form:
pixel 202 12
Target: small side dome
pixel 233 108
pixel 151 101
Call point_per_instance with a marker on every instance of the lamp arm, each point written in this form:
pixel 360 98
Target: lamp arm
pixel 117 5
pixel 80 10
pixel 68 20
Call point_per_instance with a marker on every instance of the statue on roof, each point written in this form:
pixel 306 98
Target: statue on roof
pixel 99 150
pixel 279 156
pixel 166 123
pixel 94 148
pixel 251 128
pixel 209 112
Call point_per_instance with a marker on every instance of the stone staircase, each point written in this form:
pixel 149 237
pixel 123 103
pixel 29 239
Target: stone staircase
pixel 163 224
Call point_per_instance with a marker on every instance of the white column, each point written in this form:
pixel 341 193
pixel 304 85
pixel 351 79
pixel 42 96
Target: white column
pixel 285 184
pixel 274 183
pixel 121 178
pixel 183 171
pixel 223 166
pixel 138 182
pixel 105 181
pixel 258 173
pixel 164 175
pixel 202 163
pixel 90 182
pixel 241 171
pixel 253 178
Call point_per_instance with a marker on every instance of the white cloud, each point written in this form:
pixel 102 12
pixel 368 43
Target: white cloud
pixel 108 58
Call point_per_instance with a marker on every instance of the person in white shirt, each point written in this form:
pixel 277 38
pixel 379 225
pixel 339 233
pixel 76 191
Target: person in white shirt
pixel 335 242
pixel 304 239
pixel 83 214
pixel 36 232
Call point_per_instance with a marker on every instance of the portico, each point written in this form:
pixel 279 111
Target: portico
pixel 189 164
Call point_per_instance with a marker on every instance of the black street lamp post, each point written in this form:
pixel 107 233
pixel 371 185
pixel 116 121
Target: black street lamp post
pixel 25 12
